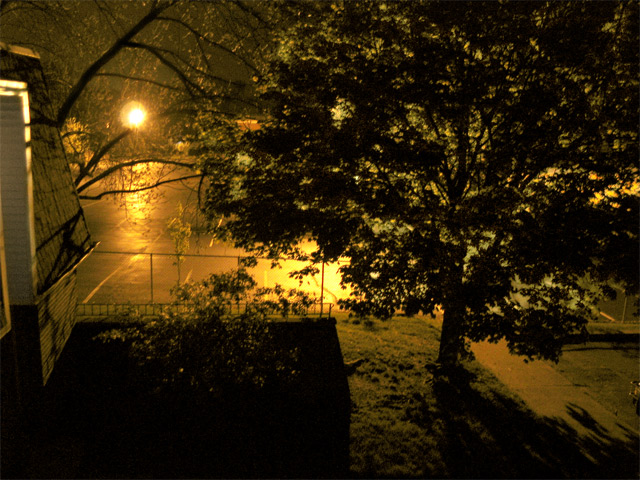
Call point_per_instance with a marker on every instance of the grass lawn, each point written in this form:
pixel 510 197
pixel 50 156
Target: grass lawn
pixel 403 424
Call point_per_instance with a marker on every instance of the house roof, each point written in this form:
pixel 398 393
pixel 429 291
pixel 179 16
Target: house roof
pixel 61 233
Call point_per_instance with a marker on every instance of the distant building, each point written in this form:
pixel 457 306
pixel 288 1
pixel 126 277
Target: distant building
pixel 43 234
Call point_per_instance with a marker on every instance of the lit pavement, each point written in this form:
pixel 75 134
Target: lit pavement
pixel 579 403
pixel 105 278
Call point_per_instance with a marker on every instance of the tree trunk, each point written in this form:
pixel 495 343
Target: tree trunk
pixel 452 336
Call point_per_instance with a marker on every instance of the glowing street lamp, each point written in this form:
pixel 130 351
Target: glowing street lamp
pixel 133 114
pixel 136 117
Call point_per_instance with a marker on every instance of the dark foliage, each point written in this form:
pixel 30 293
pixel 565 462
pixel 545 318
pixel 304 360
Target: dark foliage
pixel 477 156
pixel 207 349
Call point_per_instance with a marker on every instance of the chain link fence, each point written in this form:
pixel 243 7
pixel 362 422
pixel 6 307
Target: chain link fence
pixel 112 282
pixel 115 281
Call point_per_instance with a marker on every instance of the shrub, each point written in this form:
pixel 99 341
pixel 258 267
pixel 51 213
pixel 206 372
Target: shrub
pixel 206 348
pixel 284 302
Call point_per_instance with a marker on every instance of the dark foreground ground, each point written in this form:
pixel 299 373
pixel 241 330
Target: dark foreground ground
pixel 96 421
pixel 400 421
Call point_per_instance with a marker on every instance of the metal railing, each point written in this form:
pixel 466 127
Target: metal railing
pixel 155 309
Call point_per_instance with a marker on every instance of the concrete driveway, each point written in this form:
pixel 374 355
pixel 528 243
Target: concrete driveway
pixel 562 392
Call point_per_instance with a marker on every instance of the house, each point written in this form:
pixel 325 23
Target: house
pixel 43 234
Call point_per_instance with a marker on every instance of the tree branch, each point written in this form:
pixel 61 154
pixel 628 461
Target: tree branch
pixel 199 36
pixel 99 154
pixel 251 12
pixel 135 190
pixel 162 55
pixel 74 133
pixel 130 163
pixel 110 18
pixel 189 84
pixel 136 79
pixel 106 57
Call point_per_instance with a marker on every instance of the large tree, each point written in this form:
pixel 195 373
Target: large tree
pixel 178 59
pixel 480 157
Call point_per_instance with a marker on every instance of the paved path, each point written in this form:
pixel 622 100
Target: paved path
pixel 549 394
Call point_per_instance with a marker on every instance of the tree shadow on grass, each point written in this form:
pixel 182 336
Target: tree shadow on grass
pixel 98 419
pixel 488 435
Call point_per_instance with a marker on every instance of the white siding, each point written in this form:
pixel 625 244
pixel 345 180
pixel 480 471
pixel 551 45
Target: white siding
pixel 17 194
pixel 5 314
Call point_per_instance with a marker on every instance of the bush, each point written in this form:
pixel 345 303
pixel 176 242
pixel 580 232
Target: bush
pixel 207 349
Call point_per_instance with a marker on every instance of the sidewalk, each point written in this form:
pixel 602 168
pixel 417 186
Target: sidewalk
pixel 549 394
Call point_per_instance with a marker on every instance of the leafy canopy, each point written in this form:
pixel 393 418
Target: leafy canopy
pixel 477 156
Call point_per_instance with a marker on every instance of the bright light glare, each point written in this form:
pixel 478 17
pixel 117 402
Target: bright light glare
pixel 136 117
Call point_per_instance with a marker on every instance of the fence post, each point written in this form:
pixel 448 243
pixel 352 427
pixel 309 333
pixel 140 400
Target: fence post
pixel 322 291
pixel 151 270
